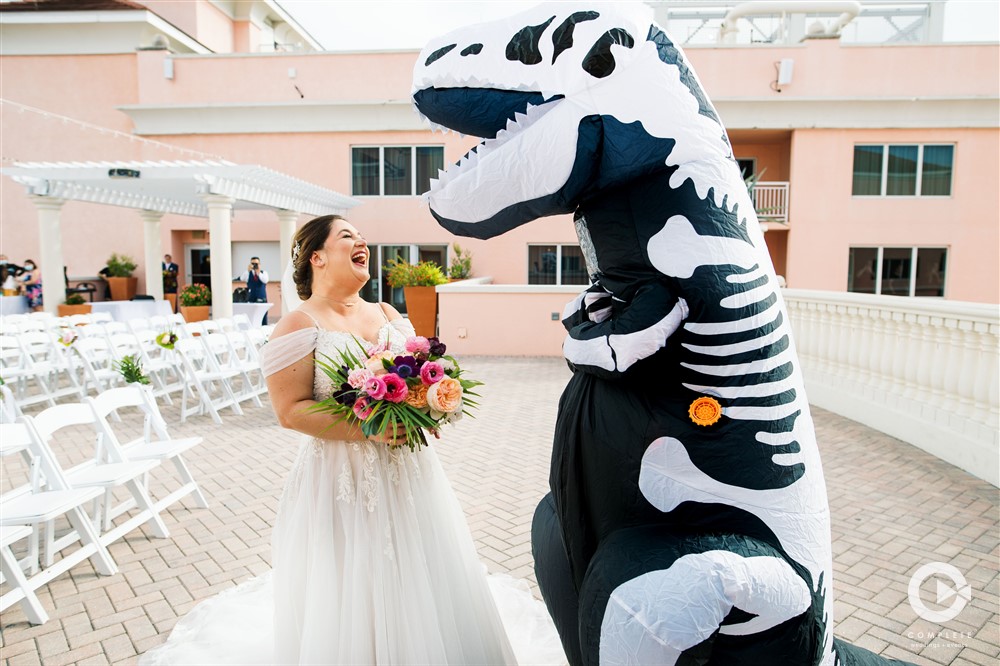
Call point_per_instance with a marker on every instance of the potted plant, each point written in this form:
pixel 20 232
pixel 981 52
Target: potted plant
pixel 195 300
pixel 418 282
pixel 74 305
pixel 461 265
pixel 119 276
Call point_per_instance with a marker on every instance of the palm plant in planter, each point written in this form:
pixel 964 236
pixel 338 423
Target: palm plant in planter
pixel 461 265
pixel 418 282
pixel 119 277
pixel 195 300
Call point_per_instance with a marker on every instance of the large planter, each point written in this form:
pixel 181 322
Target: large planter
pixel 195 312
pixel 64 310
pixel 122 288
pixel 422 308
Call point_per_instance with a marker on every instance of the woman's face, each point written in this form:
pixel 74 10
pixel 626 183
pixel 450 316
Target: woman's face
pixel 344 256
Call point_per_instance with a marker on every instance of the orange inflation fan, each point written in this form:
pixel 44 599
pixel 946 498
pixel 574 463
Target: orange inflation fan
pixel 705 411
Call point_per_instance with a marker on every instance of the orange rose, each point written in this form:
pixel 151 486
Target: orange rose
pixel 375 362
pixel 417 397
pixel 445 396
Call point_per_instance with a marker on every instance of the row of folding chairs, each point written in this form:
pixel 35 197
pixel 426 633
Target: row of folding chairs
pixel 217 365
pixel 79 500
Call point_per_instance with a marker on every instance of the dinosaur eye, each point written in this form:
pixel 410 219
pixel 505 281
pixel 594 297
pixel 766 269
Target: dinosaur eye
pixel 437 55
pixel 523 46
pixel 562 37
pixel 599 61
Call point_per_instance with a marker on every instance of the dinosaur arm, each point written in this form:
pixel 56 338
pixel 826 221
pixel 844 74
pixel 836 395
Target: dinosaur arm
pixel 608 336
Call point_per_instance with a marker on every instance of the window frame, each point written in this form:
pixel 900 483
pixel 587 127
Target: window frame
pixel 559 261
pixel 381 168
pixel 884 184
pixel 912 278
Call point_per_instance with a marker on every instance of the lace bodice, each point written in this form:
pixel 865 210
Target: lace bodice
pixel 330 343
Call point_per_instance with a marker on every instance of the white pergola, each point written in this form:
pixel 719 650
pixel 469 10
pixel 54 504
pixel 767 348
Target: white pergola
pixel 212 189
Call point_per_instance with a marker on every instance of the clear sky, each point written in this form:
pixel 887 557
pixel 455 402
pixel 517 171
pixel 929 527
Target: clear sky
pixel 351 25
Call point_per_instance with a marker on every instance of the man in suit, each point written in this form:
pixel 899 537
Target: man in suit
pixel 256 279
pixel 170 270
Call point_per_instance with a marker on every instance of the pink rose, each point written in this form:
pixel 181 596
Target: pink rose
pixel 375 387
pixel 445 396
pixel 357 377
pixel 418 345
pixel 431 372
pixel 395 388
pixel 363 408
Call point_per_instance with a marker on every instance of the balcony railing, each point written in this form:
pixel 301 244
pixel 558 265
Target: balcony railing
pixel 770 198
pixel 923 370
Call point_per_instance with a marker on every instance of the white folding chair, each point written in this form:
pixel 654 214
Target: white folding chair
pixel 154 444
pixel 228 361
pixel 97 360
pixel 21 588
pixel 241 322
pixel 211 385
pixel 10 411
pixel 95 473
pixel 98 317
pixel 19 370
pixel 44 497
pixel 162 365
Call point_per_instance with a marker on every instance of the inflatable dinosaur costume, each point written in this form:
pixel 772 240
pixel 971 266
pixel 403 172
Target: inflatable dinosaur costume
pixel 688 519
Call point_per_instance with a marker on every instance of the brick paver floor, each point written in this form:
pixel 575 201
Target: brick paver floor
pixel 894 509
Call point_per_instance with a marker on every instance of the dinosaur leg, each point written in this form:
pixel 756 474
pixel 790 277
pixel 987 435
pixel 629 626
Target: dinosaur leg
pixel 850 655
pixel 554 579
pixel 653 597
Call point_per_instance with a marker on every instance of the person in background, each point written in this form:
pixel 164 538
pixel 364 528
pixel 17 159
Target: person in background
pixel 170 270
pixel 256 279
pixel 31 285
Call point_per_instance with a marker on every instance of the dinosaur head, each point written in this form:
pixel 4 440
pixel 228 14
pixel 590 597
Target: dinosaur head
pixel 570 100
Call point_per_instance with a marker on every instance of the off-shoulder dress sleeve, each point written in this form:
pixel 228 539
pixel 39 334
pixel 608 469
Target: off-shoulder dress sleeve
pixel 404 326
pixel 281 352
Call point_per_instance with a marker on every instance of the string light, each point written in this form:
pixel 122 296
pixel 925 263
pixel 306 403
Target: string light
pixel 102 131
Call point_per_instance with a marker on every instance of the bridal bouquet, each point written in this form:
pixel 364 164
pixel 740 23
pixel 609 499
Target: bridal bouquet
pixel 420 390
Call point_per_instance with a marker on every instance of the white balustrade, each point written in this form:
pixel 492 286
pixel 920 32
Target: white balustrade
pixel 770 199
pixel 920 369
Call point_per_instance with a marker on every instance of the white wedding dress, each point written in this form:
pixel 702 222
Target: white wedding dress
pixel 373 564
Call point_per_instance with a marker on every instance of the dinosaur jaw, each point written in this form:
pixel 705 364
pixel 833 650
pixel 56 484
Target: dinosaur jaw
pixel 477 197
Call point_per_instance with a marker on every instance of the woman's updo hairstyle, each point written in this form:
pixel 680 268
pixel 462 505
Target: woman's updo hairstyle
pixel 307 240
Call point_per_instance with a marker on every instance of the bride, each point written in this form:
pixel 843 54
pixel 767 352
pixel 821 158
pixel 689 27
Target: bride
pixel 373 560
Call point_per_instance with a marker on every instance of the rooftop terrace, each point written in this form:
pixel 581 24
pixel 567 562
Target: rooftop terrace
pixel 894 508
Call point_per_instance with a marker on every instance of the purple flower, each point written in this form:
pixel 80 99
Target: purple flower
pixel 438 348
pixel 404 366
pixel 431 373
pixel 375 387
pixel 345 395
pixel 395 388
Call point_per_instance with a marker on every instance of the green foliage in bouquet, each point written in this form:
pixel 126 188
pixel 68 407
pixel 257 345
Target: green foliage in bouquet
pixel 461 264
pixel 194 295
pixel 404 274
pixel 120 265
pixel 131 370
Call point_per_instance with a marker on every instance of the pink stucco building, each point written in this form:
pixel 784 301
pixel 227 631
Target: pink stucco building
pixel 876 163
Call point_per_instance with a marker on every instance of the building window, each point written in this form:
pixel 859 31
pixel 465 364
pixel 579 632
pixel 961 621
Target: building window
pixel 902 170
pixel 378 289
pixel 897 271
pixel 556 264
pixel 394 171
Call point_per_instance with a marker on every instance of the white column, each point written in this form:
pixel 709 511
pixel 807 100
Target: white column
pixel 153 252
pixel 220 221
pixel 50 255
pixel 287 220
